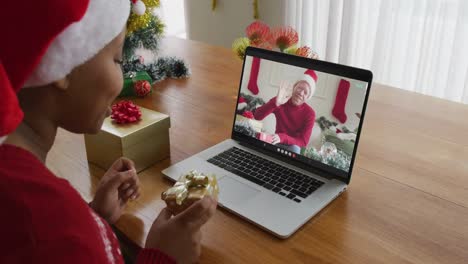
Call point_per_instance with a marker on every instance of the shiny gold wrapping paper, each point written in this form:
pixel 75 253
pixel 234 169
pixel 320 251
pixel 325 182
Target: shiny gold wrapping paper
pixel 188 189
pixel 145 142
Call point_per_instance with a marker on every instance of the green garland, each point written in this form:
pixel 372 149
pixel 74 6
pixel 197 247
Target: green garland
pixel 149 38
pixel 324 123
pixel 252 102
pixel 245 128
pixel 340 160
pixel 164 67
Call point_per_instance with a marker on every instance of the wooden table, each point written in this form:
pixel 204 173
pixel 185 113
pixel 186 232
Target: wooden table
pixel 408 198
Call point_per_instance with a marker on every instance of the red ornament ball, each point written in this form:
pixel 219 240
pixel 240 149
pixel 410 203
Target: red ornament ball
pixel 142 88
pixel 125 112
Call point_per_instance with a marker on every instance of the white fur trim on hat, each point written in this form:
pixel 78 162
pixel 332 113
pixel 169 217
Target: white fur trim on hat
pixel 102 22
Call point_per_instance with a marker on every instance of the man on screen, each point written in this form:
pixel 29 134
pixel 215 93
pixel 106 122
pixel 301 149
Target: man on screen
pixel 294 118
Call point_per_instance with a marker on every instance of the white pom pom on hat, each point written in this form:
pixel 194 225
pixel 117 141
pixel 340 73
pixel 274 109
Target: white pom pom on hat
pixel 138 7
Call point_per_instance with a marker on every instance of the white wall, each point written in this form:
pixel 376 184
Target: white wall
pixel 172 13
pixel 229 20
pixel 270 75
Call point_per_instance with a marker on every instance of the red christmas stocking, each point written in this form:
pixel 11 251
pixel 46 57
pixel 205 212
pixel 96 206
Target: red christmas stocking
pixel 252 86
pixel 340 101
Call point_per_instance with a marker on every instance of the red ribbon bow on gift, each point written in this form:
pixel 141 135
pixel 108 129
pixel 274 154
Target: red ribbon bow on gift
pixel 125 112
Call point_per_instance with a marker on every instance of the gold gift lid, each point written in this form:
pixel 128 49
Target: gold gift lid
pixel 132 133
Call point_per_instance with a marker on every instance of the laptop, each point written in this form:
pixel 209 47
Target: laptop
pixel 292 152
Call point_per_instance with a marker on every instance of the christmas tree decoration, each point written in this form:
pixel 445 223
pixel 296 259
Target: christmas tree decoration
pixel 138 20
pixel 241 103
pixel 346 130
pixel 257 32
pixel 147 38
pixel 283 39
pixel 142 88
pixel 252 102
pixel 239 46
pixel 130 78
pixel 292 50
pixel 264 45
pixel 328 150
pixel 138 7
pixel 324 123
pixel 303 51
pixel 338 159
pixel 340 101
pixel 188 189
pixel 252 85
pixel 313 55
pixel 165 67
pixel 245 127
pixel 144 33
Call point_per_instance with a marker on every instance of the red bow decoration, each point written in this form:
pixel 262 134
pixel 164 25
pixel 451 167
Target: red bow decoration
pixel 125 112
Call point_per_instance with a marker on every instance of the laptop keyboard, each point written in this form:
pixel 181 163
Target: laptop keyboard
pixel 272 176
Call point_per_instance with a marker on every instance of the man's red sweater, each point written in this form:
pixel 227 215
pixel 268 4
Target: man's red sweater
pixel 293 123
pixel 45 220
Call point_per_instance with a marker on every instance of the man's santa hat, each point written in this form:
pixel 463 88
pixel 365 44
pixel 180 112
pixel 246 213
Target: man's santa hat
pixel 45 40
pixel 310 77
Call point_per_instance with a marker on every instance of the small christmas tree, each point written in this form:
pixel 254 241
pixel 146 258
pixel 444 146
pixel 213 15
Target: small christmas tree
pixel 144 32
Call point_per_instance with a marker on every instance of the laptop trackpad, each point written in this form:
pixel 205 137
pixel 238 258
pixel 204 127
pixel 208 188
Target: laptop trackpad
pixel 233 191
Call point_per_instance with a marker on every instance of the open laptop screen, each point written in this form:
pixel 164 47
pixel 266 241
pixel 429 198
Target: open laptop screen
pixel 302 113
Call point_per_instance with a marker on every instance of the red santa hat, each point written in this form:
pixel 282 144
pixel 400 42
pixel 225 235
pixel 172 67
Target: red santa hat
pixel 45 40
pixel 310 77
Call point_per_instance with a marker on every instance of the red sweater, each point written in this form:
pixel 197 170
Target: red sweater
pixel 45 220
pixel 293 123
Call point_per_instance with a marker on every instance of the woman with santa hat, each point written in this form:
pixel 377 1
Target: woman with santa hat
pixel 60 67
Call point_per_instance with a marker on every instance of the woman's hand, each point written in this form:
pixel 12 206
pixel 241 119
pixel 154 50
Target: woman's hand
pixel 284 93
pixel 180 236
pixel 119 184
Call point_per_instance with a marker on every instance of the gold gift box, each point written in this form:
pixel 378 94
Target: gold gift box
pixel 145 142
pixel 188 189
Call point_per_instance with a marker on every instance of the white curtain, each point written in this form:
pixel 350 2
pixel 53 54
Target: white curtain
pixel 418 45
pixel 172 13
